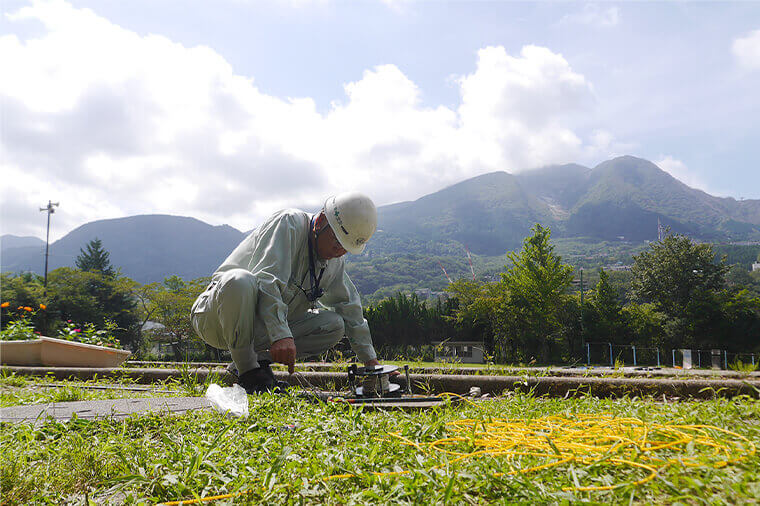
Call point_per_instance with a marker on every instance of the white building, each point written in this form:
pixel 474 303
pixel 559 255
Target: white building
pixel 465 352
pixel 423 293
pixel 756 266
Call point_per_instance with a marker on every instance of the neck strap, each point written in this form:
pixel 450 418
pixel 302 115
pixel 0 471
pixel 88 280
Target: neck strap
pixel 315 292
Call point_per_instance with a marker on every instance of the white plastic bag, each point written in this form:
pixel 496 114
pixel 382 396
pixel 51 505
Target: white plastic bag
pixel 232 400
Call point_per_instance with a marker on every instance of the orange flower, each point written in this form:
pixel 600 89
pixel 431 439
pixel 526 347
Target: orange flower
pixel 28 309
pixel 43 306
pixel 20 307
pixel 5 304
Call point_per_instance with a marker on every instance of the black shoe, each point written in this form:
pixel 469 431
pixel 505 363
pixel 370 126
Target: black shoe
pixel 260 380
pixel 263 364
pixel 266 365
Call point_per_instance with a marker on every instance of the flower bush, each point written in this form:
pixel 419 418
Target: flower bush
pixel 89 334
pixel 22 327
pixel 18 330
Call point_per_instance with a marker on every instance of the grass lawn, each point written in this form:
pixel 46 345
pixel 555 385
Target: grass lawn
pixel 149 459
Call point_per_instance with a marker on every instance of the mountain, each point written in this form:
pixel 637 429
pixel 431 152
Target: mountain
pixel 626 196
pixel 146 248
pixel 14 241
pixel 618 199
pixel 490 214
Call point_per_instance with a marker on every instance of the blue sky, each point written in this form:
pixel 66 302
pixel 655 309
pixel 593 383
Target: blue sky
pixel 229 110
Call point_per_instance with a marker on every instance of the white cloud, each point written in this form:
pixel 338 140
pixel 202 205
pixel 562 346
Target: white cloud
pixel 513 108
pixel 746 50
pixel 113 123
pixel 680 171
pixel 399 6
pixel 594 15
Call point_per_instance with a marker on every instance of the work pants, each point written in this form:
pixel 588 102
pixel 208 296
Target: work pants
pixel 225 316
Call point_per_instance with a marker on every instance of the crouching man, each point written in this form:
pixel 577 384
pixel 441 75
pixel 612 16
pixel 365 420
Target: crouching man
pixel 283 293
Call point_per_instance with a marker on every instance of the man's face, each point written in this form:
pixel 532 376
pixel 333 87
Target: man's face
pixel 327 244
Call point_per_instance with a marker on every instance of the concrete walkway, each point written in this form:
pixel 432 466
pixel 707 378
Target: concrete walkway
pixel 116 409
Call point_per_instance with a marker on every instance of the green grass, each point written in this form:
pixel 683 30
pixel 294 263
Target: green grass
pixel 147 459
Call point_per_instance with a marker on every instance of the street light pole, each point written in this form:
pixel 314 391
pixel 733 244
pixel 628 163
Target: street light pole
pixel 583 334
pixel 50 210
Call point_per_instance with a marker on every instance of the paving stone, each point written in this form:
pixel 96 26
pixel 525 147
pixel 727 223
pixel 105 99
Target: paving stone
pixel 108 408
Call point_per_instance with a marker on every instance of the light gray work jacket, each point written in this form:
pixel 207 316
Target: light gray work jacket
pixel 277 254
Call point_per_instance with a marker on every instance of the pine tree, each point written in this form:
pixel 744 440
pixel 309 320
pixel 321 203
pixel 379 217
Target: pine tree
pixel 95 259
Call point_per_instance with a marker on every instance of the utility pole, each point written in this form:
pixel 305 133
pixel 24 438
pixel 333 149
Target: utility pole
pixel 583 337
pixel 50 210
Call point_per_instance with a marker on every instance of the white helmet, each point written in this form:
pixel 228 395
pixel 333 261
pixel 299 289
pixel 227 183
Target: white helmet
pixel 353 218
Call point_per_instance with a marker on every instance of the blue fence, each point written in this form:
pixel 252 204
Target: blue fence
pixel 618 354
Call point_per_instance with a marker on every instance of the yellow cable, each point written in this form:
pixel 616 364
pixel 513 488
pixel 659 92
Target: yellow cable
pixel 203 499
pixel 587 439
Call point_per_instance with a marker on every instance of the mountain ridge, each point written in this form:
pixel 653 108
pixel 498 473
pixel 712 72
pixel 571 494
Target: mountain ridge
pixel 625 197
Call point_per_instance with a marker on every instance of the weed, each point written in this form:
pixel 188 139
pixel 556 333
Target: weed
pixel 67 394
pixel 11 379
pixel 190 380
pixel 743 368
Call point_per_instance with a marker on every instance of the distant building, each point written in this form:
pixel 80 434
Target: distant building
pixel 756 266
pixel 617 267
pixel 428 294
pixel 443 296
pixel 465 352
pixel 423 293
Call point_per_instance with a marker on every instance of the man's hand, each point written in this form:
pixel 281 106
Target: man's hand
pixel 284 352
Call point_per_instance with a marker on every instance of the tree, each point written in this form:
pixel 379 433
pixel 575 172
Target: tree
pixel 684 282
pixel 24 290
pixel 175 284
pixel 476 310
pixel 536 284
pixel 740 325
pixel 169 303
pixel 95 259
pixel 646 326
pixel 607 322
pixel 92 297
pixel 675 273
pixel 405 320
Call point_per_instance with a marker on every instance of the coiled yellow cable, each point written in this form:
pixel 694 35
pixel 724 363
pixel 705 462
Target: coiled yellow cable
pixel 589 440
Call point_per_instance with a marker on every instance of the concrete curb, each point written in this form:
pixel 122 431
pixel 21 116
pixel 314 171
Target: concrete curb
pixel 438 383
pixel 580 371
